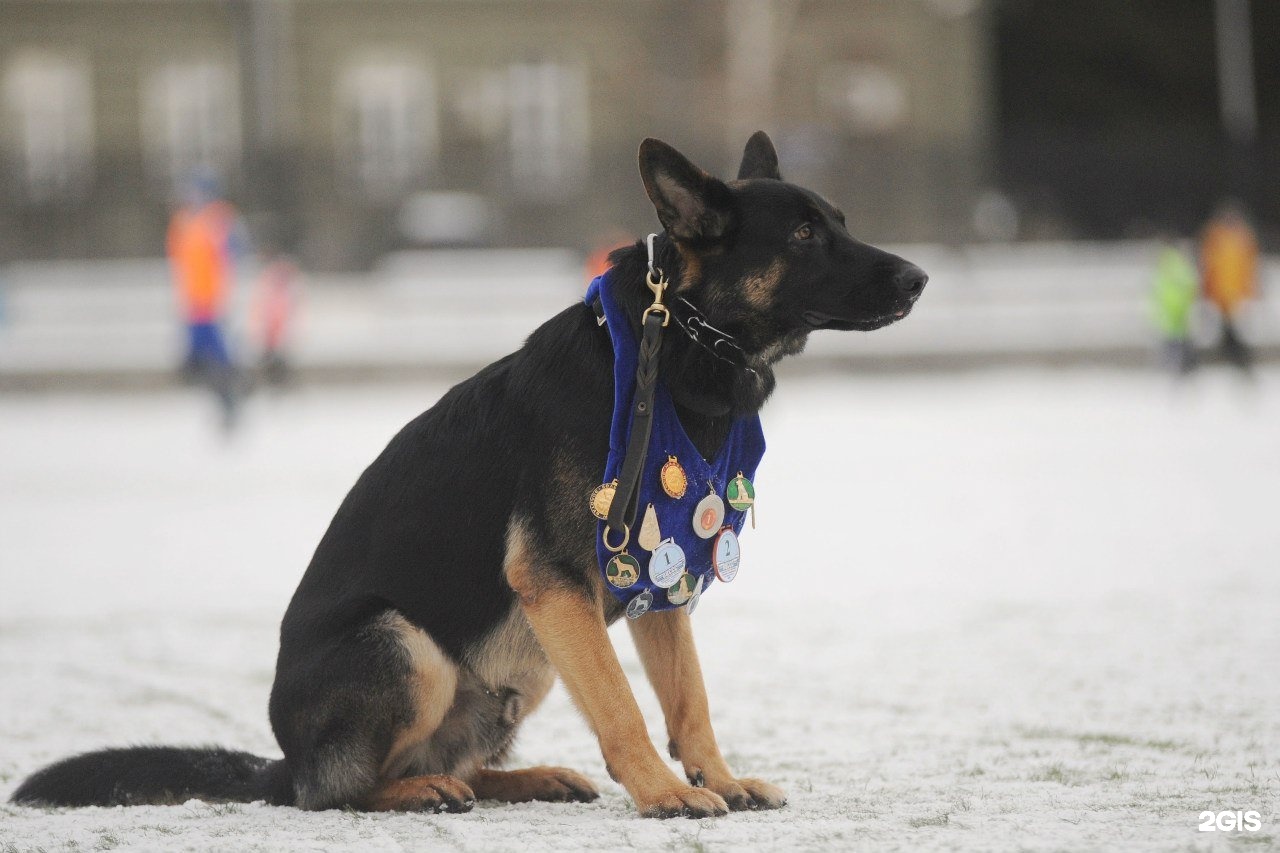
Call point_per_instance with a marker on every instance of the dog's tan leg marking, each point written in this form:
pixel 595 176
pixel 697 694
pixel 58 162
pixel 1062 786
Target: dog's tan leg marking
pixel 421 794
pixel 549 784
pixel 570 627
pixel 664 640
pixel 434 684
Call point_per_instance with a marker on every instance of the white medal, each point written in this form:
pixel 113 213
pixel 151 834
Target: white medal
pixel 667 564
pixel 708 516
pixel 697 596
pixel 726 554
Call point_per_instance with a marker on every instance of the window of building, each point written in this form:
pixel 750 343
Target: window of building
pixel 387 130
pixel 191 121
pixel 48 108
pixel 547 102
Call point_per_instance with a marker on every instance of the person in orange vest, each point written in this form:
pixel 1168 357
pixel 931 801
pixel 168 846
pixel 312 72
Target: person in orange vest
pixel 204 240
pixel 1229 275
pixel 598 261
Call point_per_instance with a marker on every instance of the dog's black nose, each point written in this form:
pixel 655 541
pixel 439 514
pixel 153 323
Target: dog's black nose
pixel 910 280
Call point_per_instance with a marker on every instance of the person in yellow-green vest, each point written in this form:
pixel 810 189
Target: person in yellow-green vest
pixel 1175 287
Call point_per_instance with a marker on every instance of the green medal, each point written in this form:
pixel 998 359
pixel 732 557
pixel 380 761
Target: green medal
pixel 623 570
pixel 741 495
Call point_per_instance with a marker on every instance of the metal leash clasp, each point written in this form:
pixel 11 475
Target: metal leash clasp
pixel 657 282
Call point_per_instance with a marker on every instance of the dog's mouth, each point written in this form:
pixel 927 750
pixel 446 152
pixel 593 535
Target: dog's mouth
pixel 819 320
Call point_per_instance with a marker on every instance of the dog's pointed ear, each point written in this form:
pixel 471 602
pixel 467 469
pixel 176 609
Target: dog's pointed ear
pixel 759 159
pixel 691 205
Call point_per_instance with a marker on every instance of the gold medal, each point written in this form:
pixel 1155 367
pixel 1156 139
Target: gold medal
pixel 650 534
pixel 674 481
pixel 623 570
pixel 602 498
pixel 741 495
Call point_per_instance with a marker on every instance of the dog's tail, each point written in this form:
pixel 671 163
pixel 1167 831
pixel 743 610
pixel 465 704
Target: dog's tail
pixel 157 775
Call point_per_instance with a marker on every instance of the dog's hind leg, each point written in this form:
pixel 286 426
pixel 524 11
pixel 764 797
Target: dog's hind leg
pixel 438 793
pixel 353 716
pixel 509 665
pixel 664 640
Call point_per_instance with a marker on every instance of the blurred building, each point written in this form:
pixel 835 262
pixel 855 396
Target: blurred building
pixel 348 128
pixel 353 128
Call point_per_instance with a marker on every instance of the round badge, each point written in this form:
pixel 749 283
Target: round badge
pixel 667 563
pixel 708 516
pixel 740 494
pixel 623 570
pixel 640 605
pixel 674 481
pixel 682 590
pixel 601 498
pixel 697 596
pixel 726 555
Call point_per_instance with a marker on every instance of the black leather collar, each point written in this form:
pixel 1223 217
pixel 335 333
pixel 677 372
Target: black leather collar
pixel 719 343
pixel 694 324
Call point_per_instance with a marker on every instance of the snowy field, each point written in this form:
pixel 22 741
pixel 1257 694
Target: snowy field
pixel 990 611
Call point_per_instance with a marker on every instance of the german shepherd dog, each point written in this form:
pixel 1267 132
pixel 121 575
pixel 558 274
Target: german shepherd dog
pixel 460 577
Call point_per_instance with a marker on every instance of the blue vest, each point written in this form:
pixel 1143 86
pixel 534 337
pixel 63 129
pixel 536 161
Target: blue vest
pixel 741 452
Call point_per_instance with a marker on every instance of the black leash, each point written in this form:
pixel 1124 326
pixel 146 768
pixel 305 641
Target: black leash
pixel 626 498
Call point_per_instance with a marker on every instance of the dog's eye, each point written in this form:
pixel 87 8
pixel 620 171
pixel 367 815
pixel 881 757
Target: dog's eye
pixel 804 232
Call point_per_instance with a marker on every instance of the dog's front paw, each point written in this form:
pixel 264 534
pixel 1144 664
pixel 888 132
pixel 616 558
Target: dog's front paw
pixel 561 784
pixel 548 784
pixel 685 801
pixel 743 794
pixel 558 784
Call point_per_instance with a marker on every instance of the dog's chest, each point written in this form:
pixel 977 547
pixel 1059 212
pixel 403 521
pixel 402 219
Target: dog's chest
pixel 509 657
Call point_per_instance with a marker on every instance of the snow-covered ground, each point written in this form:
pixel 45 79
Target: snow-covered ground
pixel 1022 610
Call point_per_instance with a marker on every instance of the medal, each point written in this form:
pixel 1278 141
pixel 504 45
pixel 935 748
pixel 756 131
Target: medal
pixel 683 589
pixel 708 516
pixel 602 498
pixel 741 495
pixel 640 605
pixel 650 535
pixel 726 555
pixel 667 564
pixel 623 570
pixel 674 481
pixel 697 596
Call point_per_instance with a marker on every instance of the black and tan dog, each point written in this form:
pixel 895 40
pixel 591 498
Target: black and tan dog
pixel 459 576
